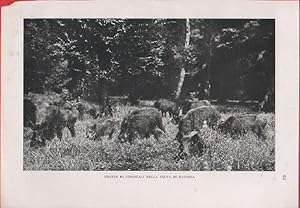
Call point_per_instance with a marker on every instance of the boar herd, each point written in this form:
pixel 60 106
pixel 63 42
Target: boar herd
pixel 189 116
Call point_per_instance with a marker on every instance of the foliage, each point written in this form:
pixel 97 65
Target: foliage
pixel 141 55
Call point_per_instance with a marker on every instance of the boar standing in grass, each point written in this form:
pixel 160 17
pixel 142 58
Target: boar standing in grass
pixel 98 129
pixel 30 111
pixel 56 119
pixel 241 124
pixel 192 123
pixel 141 123
pixel 167 106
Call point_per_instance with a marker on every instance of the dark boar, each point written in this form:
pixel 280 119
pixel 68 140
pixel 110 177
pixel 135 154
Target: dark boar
pixel 55 120
pixel 167 106
pixel 241 124
pixel 189 126
pixel 190 144
pixel 99 129
pixel 141 123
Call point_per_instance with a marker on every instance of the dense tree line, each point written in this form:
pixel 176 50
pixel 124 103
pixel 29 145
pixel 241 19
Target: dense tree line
pixel 144 58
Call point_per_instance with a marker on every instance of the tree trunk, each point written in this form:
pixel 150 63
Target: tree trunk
pixel 180 83
pixel 182 71
pixel 188 34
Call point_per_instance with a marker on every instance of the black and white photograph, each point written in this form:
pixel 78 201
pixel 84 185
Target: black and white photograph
pixel 154 94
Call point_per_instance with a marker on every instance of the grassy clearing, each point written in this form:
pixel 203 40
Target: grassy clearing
pixel 248 153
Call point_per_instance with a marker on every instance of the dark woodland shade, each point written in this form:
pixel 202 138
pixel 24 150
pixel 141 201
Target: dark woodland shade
pixel 94 58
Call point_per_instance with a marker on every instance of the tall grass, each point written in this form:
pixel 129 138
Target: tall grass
pixel 222 152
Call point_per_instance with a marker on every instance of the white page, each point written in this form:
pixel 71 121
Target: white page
pixel 277 188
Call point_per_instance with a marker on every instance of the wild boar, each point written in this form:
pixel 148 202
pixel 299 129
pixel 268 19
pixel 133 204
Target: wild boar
pixel 191 124
pixel 56 119
pixel 99 129
pixel 241 124
pixel 167 106
pixel 141 123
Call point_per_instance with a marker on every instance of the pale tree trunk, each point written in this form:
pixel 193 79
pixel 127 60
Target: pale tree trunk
pixel 182 71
